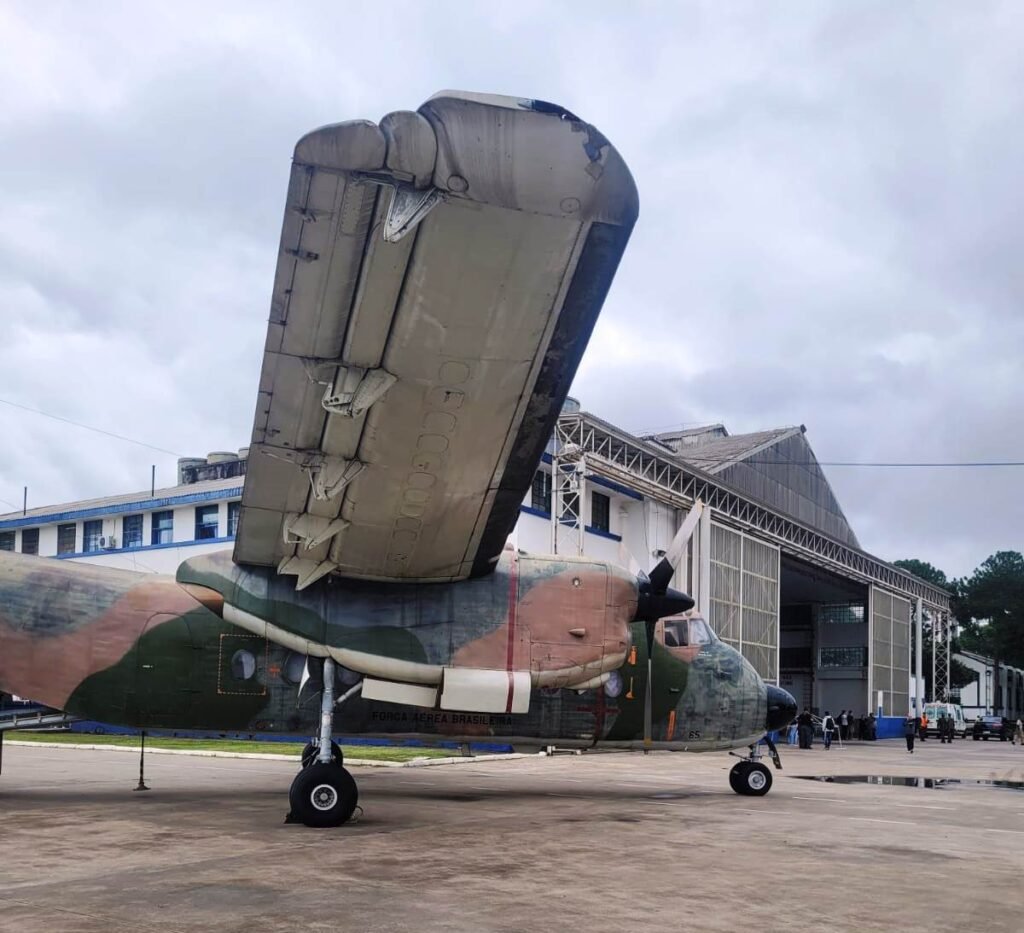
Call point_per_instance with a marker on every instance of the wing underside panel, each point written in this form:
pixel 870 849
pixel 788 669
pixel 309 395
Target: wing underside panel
pixel 424 330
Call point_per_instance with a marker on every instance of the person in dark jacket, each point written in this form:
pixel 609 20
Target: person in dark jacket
pixel 909 732
pixel 805 726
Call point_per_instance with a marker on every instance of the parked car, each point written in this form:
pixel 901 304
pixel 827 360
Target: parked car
pixel 994 727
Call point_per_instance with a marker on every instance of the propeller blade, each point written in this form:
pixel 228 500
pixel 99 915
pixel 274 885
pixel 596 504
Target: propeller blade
pixel 626 559
pixel 662 573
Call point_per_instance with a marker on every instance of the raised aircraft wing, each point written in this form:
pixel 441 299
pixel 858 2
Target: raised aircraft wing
pixel 438 279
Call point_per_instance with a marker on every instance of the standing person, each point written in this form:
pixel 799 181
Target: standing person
pixel 827 725
pixel 1019 731
pixel 791 735
pixel 909 731
pixel 943 731
pixel 844 725
pixel 805 725
pixel 924 725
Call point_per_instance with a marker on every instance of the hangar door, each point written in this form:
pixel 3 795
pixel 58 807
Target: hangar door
pixel 745 597
pixel 890 652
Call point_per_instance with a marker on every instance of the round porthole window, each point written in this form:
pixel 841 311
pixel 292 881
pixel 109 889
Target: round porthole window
pixel 243 664
pixel 613 685
pixel 291 670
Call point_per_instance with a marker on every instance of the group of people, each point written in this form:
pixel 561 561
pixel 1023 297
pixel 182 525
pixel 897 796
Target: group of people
pixel 845 726
pixel 945 726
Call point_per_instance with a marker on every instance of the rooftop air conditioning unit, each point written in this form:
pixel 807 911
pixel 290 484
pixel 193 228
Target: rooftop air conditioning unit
pixel 108 543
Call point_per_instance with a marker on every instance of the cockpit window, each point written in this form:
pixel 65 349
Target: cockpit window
pixel 700 634
pixel 676 633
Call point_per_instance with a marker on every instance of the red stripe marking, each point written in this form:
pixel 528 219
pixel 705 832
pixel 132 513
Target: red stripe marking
pixel 513 601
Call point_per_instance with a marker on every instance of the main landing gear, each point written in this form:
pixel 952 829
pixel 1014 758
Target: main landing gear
pixel 323 792
pixel 749 776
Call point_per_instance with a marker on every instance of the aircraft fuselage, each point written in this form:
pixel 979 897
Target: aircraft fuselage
pixel 148 651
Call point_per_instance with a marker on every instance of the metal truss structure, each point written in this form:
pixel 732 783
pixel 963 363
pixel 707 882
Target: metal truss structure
pixel 622 458
pixel 568 500
pixel 942 640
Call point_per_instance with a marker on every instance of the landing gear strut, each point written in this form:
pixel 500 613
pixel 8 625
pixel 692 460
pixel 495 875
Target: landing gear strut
pixel 323 792
pixel 749 776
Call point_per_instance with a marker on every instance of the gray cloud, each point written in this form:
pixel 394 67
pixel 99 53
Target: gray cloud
pixel 828 233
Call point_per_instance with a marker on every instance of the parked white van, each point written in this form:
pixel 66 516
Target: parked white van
pixel 934 710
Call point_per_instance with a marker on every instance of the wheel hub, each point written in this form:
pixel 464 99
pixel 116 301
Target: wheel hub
pixel 323 797
pixel 756 780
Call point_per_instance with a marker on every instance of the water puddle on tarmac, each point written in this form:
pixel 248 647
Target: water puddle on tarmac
pixel 895 781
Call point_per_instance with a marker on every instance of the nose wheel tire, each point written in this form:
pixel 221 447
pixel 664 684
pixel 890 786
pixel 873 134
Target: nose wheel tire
pixel 750 779
pixel 323 795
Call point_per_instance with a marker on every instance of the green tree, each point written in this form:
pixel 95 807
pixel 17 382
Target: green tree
pixel 990 609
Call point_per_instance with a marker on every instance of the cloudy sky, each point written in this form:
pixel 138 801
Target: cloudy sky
pixel 830 229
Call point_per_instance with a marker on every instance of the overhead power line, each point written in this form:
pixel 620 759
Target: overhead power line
pixel 88 427
pixel 696 461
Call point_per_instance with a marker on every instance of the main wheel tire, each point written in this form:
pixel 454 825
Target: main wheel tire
pixel 736 776
pixel 750 779
pixel 311 752
pixel 323 795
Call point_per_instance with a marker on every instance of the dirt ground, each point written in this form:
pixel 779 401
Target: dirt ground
pixel 602 842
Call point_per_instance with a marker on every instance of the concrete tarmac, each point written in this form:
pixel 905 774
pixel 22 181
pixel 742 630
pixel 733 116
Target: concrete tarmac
pixel 598 842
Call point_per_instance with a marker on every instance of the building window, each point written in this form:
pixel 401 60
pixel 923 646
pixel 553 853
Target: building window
pixel 30 541
pixel 163 528
pixel 131 531
pixel 841 613
pixel 600 511
pixel 843 657
pixel 234 508
pixel 66 538
pixel 206 521
pixel 7 540
pixel 91 534
pixel 540 497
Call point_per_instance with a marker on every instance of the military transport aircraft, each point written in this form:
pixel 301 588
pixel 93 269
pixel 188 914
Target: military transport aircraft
pixel 438 278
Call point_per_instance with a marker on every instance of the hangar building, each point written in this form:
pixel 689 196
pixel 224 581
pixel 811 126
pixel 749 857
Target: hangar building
pixel 774 565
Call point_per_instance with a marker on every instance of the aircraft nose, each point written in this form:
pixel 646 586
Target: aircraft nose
pixel 781 708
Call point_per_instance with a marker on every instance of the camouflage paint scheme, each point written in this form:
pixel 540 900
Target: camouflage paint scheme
pixel 149 651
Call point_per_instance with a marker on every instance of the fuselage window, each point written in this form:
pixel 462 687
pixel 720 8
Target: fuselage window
pixel 700 634
pixel 243 664
pixel 293 667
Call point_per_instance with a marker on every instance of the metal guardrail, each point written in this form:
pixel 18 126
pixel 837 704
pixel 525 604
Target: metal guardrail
pixel 11 720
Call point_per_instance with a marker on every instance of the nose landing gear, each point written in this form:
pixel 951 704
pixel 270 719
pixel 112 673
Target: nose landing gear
pixel 749 777
pixel 323 793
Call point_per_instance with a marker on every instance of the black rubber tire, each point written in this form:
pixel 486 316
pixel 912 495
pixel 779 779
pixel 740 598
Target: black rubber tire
pixel 750 779
pixel 736 776
pixel 311 751
pixel 323 795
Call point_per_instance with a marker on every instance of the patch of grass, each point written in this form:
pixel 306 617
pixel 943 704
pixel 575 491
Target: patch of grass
pixel 364 752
